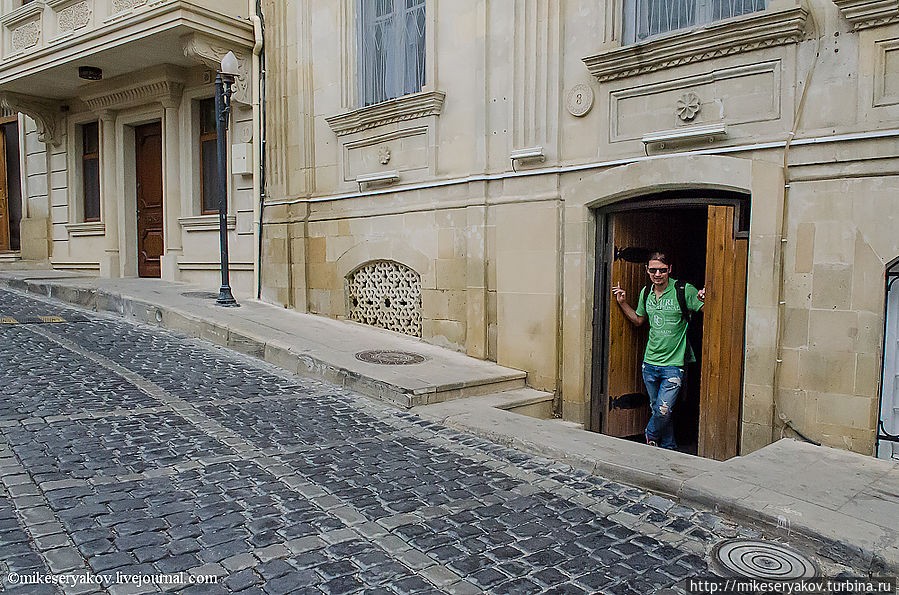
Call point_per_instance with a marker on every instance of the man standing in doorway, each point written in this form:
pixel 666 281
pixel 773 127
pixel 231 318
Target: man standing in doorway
pixel 668 304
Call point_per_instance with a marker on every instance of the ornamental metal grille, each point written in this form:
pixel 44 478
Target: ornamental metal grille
pixel 386 294
pixel 647 18
pixel 392 39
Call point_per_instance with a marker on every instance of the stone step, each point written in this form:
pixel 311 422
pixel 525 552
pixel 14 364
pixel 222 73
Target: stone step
pixel 524 401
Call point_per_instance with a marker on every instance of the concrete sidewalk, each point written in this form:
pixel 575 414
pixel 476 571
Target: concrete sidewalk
pixel 843 503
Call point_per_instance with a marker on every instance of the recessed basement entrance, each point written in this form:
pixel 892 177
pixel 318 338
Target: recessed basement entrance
pixel 706 237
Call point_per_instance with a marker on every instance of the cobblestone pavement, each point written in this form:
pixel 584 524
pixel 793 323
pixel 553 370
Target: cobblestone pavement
pixel 128 451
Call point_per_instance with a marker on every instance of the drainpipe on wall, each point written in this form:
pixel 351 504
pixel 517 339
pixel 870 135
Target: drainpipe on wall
pixel 781 304
pixel 259 134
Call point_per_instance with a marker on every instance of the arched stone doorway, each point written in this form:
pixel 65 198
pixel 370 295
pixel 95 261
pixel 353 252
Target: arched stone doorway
pixel 586 194
pixel 705 235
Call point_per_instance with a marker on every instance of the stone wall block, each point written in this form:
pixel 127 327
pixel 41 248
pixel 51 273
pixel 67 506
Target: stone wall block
pixel 832 330
pixel 831 286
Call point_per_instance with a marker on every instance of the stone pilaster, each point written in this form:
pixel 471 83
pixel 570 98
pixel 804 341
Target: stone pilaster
pixel 109 197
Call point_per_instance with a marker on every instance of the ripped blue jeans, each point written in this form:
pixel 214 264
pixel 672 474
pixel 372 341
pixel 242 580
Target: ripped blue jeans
pixel 663 384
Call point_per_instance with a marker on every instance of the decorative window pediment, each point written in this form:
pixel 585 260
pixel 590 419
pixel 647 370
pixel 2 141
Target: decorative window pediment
pixel 864 14
pixel 408 107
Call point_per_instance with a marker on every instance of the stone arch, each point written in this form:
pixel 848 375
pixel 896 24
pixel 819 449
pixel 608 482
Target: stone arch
pixel 687 172
pixel 387 249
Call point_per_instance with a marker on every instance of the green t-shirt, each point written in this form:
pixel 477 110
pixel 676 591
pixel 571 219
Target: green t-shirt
pixel 667 345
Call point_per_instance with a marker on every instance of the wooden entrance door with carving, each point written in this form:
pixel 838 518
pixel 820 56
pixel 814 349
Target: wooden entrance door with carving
pixel 148 173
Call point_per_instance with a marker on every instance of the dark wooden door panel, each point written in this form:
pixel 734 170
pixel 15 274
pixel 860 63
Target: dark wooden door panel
pixel 148 169
pixel 4 196
pixel 624 413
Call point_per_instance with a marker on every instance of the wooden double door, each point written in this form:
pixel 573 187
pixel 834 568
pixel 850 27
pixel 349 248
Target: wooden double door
pixel 707 248
pixel 148 182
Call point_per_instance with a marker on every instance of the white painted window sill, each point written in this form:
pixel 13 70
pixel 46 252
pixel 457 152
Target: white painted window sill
pixel 89 228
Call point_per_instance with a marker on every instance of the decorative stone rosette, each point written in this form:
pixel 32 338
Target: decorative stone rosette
pixel 688 106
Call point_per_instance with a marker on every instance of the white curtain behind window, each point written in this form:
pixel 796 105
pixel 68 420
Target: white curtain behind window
pixel 647 18
pixel 392 43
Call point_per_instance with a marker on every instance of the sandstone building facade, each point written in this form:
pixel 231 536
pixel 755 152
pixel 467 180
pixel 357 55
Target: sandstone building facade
pixel 480 173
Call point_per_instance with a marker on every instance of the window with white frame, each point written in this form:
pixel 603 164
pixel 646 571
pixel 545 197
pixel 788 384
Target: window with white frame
pixel 643 19
pixel 392 44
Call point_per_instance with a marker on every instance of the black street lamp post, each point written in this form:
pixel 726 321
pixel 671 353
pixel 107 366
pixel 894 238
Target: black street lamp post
pixel 223 81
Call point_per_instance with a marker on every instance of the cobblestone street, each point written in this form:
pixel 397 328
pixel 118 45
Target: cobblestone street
pixel 128 450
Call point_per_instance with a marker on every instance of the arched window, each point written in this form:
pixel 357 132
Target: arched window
pixel 385 294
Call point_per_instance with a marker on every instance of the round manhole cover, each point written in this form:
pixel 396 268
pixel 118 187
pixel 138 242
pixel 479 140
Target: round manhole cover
pixel 389 358
pixel 752 558
pixel 206 295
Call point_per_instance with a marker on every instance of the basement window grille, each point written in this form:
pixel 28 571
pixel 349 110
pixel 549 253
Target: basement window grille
pixel 387 295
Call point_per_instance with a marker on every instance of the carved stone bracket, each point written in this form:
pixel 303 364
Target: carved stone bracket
pixel 864 14
pixel 407 107
pixel 46 114
pixel 210 51
pixel 751 32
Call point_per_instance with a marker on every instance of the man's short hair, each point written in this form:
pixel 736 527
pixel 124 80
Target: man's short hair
pixel 660 256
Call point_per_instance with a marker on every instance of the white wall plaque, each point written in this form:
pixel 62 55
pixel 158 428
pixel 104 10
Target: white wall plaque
pixel 580 99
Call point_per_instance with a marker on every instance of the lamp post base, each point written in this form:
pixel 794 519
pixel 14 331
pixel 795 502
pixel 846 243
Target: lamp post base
pixel 225 298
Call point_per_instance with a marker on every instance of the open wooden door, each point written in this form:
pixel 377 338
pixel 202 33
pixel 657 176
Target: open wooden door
pixel 4 197
pixel 721 385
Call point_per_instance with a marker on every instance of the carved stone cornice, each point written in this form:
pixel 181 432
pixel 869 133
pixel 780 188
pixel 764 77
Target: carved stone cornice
pixel 755 31
pixel 161 90
pixel 46 114
pixel 407 107
pixel 210 51
pixel 864 14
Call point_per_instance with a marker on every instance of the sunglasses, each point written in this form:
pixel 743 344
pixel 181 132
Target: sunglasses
pixel 657 271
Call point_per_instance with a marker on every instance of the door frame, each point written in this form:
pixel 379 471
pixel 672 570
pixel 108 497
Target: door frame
pixel 699 197
pixel 18 119
pixel 891 291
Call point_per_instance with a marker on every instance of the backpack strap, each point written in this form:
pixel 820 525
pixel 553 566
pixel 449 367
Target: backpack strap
pixel 680 288
pixel 645 294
